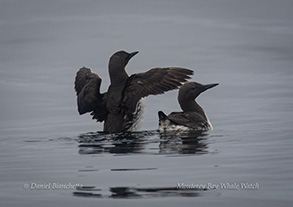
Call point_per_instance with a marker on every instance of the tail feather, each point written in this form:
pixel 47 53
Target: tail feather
pixel 162 115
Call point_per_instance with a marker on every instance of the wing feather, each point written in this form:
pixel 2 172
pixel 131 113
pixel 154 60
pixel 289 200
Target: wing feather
pixel 191 119
pixel 153 82
pixel 89 98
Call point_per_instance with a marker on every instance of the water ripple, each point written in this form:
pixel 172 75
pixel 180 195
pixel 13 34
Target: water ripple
pixel 146 142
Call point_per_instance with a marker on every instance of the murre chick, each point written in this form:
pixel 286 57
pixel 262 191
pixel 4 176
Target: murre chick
pixel 120 107
pixel 193 116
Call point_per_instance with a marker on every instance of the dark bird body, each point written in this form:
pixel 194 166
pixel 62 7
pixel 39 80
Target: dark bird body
pixel 193 116
pixel 120 107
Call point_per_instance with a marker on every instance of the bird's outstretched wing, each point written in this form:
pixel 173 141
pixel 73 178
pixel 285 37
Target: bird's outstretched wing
pixel 89 98
pixel 153 82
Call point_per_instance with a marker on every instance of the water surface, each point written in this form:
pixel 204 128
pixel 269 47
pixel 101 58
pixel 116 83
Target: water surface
pixel 51 155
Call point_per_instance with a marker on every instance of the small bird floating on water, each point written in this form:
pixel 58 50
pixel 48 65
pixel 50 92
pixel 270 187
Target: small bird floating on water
pixel 193 116
pixel 121 107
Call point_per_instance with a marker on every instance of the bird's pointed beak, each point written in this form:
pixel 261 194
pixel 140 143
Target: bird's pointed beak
pixel 208 86
pixel 131 55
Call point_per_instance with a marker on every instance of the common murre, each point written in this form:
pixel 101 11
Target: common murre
pixel 120 107
pixel 193 116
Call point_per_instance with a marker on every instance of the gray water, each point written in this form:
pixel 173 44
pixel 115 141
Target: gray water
pixel 51 156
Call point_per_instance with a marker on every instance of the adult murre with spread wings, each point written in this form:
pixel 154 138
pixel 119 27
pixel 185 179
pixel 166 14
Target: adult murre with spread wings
pixel 120 107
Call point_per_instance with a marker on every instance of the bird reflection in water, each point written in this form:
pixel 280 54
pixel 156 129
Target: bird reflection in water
pixel 133 192
pixel 191 142
pixel 116 143
pixel 145 142
pixel 188 142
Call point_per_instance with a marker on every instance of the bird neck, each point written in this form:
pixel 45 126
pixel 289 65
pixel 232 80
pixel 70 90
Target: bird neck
pixel 118 75
pixel 191 106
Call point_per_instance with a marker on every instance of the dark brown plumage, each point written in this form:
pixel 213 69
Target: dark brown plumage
pixel 153 82
pixel 89 98
pixel 193 116
pixel 118 106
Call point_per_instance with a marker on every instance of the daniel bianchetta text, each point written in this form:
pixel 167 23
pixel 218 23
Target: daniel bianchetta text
pixel 225 186
pixel 51 186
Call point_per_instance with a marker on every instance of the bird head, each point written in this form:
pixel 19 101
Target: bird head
pixel 121 58
pixel 191 90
